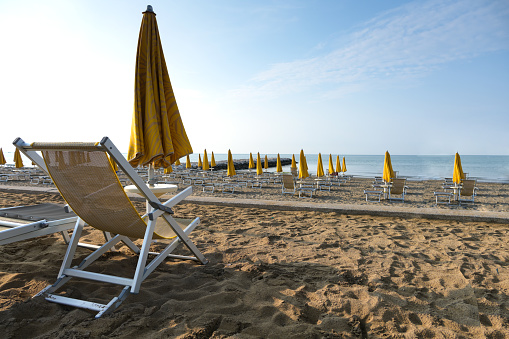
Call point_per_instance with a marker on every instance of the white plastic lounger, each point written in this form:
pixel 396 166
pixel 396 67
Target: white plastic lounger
pixel 83 174
pixel 26 222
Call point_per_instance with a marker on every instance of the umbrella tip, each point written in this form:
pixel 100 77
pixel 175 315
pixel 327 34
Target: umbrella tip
pixel 150 9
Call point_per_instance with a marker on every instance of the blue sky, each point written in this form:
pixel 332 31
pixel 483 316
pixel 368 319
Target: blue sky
pixel 341 77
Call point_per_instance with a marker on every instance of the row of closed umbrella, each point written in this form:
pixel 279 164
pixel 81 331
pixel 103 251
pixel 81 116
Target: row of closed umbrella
pixel 18 162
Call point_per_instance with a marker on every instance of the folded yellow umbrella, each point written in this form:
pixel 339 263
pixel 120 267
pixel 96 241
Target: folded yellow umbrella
pixel 230 171
pixel 158 137
pixel 18 162
pixel 168 170
pixel 338 164
pixel 458 174
pixel 319 168
pixel 294 163
pixel 303 166
pixel 331 165
pixel 188 162
pixel 177 163
pixel 2 158
pixel 199 161
pixel 212 160
pixel 279 168
pixel 344 165
pixel 266 162
pixel 388 171
pixel 205 161
pixel 259 170
pixel 251 162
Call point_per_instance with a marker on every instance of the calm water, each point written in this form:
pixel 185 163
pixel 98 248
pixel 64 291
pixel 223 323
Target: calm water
pixel 492 168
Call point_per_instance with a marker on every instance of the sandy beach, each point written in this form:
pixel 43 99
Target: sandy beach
pixel 285 274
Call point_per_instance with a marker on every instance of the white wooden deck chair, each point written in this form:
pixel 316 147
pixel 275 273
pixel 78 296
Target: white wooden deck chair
pixel 397 188
pixel 26 222
pixel 86 180
pixel 467 191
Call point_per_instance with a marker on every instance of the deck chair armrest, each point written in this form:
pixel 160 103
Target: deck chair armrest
pixel 159 206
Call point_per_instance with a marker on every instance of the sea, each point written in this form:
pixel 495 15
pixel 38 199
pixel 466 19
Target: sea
pixel 485 168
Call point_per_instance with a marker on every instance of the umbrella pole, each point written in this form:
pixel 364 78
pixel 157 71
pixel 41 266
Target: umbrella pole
pixel 151 175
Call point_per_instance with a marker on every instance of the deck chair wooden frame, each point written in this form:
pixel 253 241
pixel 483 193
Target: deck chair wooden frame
pixel 158 211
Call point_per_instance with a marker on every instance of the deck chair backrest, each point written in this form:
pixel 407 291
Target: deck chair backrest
pixel 288 182
pixel 398 186
pixel 467 187
pixel 85 178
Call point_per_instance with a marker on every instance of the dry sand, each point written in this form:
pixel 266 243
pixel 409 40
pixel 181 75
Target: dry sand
pixel 282 274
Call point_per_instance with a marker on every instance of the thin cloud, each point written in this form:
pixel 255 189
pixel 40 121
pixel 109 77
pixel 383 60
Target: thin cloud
pixel 408 42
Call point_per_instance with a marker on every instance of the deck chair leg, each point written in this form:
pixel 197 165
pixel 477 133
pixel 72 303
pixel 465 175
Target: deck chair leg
pixel 73 245
pixel 142 257
pixel 185 239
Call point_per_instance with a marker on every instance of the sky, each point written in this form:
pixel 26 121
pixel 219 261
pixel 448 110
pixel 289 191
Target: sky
pixel 329 76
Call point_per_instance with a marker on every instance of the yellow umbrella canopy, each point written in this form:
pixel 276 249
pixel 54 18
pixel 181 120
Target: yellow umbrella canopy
pixel 251 162
pixel 230 171
pixel 338 164
pixel 458 174
pixel 388 172
pixel 344 165
pixel 319 168
pixel 331 164
pixel 259 170
pixel 212 160
pixel 168 170
pixel 158 136
pixel 205 161
pixel 2 158
pixel 188 162
pixel 199 161
pixel 294 163
pixel 303 166
pixel 177 162
pixel 266 162
pixel 279 168
pixel 18 162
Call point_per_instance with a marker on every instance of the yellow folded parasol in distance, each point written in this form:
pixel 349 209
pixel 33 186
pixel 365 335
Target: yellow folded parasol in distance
pixel 251 162
pixel 212 160
pixel 205 166
pixel 319 167
pixel 388 171
pixel 18 162
pixel 230 171
pixel 259 170
pixel 2 158
pixel 303 166
pixel 331 165
pixel 458 174
pixel 279 168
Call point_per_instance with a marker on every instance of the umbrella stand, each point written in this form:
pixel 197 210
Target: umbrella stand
pixel 151 176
